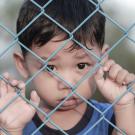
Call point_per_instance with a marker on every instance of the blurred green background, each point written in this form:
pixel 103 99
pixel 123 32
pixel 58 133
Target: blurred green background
pixel 123 12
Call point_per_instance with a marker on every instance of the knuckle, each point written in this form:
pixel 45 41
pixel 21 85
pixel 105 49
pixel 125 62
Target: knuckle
pixel 112 73
pixel 120 74
pixel 112 61
pixel 14 81
pixel 115 68
pixel 118 66
pixel 109 62
pixel 124 72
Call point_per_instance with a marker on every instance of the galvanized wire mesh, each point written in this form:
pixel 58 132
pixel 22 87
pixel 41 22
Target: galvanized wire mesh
pixel 45 62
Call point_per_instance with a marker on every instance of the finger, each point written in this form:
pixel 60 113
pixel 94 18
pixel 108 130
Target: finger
pixel 3 85
pixel 13 84
pixel 3 88
pixel 108 64
pixel 8 78
pixel 122 74
pixel 99 77
pixel 114 69
pixel 129 78
pixel 35 99
pixel 21 86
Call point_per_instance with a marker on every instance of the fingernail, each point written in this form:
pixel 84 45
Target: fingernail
pixel 14 82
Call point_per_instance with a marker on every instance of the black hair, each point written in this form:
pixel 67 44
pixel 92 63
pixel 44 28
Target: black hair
pixel 69 13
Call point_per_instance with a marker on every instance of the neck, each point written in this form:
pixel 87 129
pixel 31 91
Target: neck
pixel 66 119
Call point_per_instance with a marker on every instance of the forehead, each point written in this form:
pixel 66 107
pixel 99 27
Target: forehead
pixel 56 42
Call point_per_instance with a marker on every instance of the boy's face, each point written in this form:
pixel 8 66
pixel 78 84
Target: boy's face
pixel 70 65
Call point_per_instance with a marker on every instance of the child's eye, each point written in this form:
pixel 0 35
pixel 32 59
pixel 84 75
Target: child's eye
pixel 51 67
pixel 82 66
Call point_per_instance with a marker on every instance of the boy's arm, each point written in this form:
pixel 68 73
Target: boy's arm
pixel 125 118
pixel 112 87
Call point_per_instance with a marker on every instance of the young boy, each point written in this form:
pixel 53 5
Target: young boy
pixel 77 114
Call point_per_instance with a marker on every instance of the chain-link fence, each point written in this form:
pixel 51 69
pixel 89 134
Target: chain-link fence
pixel 59 76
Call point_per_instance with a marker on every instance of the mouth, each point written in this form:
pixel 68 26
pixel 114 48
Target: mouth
pixel 69 102
pixel 69 99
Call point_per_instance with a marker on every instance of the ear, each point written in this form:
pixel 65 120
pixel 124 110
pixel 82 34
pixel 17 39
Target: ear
pixel 104 50
pixel 21 64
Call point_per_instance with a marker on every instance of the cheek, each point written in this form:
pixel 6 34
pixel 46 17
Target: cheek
pixel 87 88
pixel 45 87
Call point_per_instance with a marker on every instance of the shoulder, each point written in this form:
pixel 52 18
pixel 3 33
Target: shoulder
pixel 100 105
pixel 102 108
pixel 102 113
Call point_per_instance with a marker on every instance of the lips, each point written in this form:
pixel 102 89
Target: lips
pixel 72 101
pixel 71 98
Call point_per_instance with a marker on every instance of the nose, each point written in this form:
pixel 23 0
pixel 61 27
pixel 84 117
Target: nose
pixel 68 77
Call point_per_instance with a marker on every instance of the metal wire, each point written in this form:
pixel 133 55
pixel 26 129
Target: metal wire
pixel 45 62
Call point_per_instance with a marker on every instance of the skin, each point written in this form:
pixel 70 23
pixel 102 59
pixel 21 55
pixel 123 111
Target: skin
pixel 72 67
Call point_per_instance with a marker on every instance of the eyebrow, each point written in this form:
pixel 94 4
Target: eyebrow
pixel 52 59
pixel 80 56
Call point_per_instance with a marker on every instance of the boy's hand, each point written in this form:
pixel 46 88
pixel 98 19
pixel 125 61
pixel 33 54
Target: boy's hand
pixel 19 113
pixel 115 83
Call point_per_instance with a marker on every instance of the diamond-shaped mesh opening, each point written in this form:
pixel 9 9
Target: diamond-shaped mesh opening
pixel 111 28
pixel 118 54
